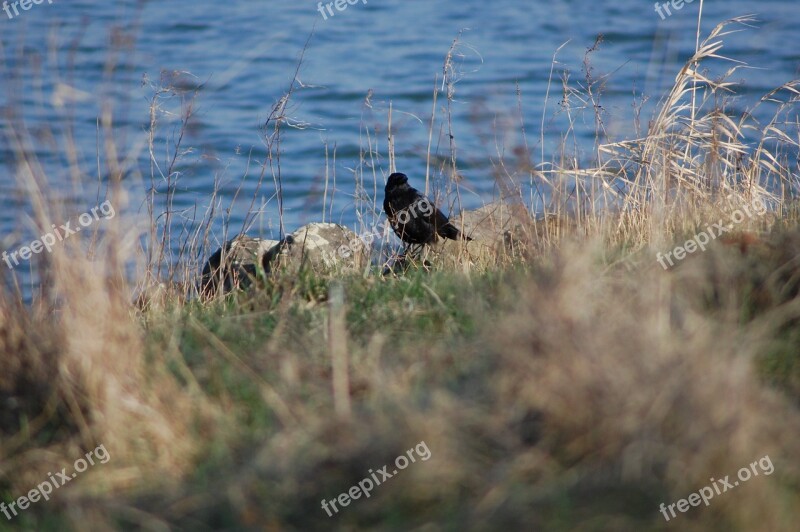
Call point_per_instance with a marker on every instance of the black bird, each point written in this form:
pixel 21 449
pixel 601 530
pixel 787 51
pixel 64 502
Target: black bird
pixel 414 218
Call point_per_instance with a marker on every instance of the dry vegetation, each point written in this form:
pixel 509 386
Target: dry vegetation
pixel 575 389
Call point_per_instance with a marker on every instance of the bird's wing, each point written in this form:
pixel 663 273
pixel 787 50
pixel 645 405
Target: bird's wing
pixel 387 208
pixel 442 225
pixel 434 216
pixel 440 220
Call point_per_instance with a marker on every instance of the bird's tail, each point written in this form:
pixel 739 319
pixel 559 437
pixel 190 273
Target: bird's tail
pixel 451 231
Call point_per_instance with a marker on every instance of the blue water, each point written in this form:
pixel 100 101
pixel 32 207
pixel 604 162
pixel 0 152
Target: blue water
pixel 242 54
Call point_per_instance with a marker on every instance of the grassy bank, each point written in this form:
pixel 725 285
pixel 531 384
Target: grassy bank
pixel 579 392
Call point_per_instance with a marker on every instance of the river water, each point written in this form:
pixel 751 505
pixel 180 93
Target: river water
pixel 64 62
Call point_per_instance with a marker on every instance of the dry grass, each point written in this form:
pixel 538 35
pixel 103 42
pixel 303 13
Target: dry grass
pixel 575 388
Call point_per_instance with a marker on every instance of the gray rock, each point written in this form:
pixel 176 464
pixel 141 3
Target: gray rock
pixel 498 223
pixel 323 248
pixel 236 265
pixel 499 232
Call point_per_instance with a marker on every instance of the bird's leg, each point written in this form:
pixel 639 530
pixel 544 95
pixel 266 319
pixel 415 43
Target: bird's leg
pixel 409 253
pixel 419 254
